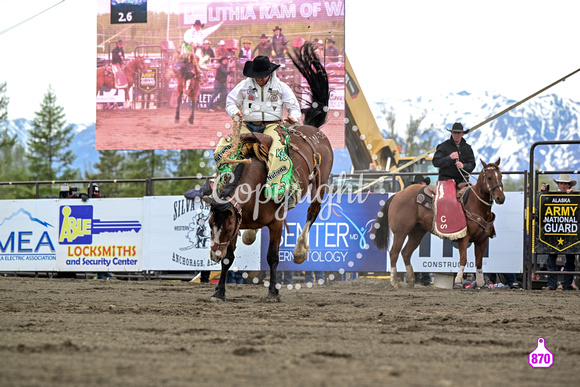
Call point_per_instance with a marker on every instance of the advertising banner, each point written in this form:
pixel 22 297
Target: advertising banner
pixel 100 235
pixel 28 235
pixel 558 219
pixel 171 233
pixel 71 235
pixel 503 255
pixel 339 239
pixel 177 237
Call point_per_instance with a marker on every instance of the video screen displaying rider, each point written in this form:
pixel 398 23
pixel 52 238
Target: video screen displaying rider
pixel 163 84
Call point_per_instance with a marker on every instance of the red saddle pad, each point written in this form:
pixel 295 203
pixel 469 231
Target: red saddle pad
pixel 448 218
pixel 120 78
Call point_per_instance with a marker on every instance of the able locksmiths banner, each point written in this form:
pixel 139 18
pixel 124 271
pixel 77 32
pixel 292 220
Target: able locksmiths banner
pixel 558 218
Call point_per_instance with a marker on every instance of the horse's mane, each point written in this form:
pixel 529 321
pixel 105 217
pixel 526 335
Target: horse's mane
pixel 228 189
pixel 219 209
pixel 307 63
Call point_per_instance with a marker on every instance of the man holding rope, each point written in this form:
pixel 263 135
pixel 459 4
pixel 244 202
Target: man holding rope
pixel 258 102
pixel 454 157
pixel 455 160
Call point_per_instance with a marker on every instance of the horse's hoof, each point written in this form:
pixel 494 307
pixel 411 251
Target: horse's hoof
pixel 191 121
pixel 271 298
pixel 215 298
pixel 177 120
pixel 300 255
pixel 457 285
pixel 249 237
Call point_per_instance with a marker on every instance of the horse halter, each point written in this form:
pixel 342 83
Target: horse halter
pixel 238 213
pixel 490 189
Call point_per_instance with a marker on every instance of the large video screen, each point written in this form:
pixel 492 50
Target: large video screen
pixel 148 98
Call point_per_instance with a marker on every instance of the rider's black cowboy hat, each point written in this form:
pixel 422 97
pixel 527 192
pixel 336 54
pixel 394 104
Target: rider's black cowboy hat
pixel 458 128
pixel 260 67
pixel 277 28
pixel 198 23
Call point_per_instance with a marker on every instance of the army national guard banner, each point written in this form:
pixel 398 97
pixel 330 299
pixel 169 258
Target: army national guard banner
pixel 558 218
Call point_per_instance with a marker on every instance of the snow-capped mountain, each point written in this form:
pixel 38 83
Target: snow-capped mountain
pixel 510 136
pixel 83 144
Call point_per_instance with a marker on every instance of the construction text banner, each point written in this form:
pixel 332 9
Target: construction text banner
pixel 503 254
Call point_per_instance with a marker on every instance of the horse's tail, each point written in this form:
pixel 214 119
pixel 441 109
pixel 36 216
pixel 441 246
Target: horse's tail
pixel 307 63
pixel 382 232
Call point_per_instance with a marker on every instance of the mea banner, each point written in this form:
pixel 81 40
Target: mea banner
pixel 71 235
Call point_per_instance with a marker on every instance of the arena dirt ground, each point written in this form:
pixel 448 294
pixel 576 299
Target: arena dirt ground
pixel 71 332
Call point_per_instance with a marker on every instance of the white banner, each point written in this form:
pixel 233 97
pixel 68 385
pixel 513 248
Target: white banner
pixel 177 237
pixel 505 251
pixel 71 235
pixel 171 233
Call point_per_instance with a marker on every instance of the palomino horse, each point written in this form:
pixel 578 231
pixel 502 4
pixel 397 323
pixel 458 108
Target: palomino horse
pixel 241 204
pixel 405 218
pixel 105 75
pixel 188 89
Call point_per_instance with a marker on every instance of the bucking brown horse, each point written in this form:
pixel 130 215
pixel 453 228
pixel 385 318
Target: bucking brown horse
pixel 188 87
pixel 241 204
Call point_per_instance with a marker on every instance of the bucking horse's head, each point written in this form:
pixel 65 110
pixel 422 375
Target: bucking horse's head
pixel 225 219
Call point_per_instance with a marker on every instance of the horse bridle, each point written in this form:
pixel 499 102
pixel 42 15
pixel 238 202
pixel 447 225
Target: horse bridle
pixel 238 213
pixel 490 189
pixel 141 59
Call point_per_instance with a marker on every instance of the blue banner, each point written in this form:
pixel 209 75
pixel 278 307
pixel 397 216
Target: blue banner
pixel 339 239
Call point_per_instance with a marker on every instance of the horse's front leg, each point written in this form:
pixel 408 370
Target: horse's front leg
pixel 192 112
pixel 479 249
pixel 220 289
pixel 302 247
pixel 177 109
pixel 462 244
pixel 127 103
pixel 273 259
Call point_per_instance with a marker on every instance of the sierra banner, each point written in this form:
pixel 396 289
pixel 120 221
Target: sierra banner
pixel 558 219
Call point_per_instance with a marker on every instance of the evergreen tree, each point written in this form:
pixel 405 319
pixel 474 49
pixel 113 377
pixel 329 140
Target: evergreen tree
pixel 111 166
pixel 418 141
pixel 148 163
pixel 49 139
pixel 3 105
pixel 11 156
pixel 191 162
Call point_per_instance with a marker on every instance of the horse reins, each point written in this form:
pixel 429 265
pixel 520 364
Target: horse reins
pixel 477 218
pixel 490 189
